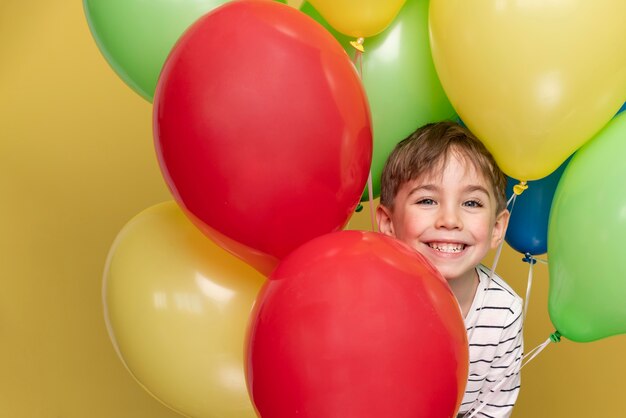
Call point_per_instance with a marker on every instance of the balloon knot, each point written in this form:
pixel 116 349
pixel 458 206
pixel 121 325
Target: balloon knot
pixel 518 189
pixel 528 258
pixel 358 208
pixel 358 44
pixel 555 337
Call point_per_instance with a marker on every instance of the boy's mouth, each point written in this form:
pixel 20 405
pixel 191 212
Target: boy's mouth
pixel 447 247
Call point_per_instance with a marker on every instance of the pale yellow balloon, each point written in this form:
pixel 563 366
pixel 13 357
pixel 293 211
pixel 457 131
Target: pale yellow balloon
pixel 358 18
pixel 177 306
pixel 533 79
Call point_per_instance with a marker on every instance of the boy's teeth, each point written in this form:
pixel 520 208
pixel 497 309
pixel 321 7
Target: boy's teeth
pixel 447 248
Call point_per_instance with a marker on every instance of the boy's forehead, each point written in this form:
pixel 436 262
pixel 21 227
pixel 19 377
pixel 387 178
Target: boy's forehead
pixel 468 167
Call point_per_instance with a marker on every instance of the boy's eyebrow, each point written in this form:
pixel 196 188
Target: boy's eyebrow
pixel 427 187
pixel 433 188
pixel 477 188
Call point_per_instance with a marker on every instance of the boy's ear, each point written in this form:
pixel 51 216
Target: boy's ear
pixel 499 229
pixel 385 224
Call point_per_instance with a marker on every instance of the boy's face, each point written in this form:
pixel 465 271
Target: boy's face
pixel 449 217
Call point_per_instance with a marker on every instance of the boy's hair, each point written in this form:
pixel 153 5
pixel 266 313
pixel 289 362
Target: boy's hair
pixel 427 148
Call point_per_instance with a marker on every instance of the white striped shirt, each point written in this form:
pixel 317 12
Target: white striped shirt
pixel 496 343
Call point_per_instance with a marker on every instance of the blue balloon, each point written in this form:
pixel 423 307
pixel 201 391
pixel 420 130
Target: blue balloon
pixel 527 232
pixel 621 109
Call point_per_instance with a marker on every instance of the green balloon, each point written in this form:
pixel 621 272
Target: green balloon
pixel 399 76
pixel 586 231
pixel 136 36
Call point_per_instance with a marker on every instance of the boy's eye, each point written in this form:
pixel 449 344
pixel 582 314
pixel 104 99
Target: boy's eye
pixel 425 202
pixel 473 204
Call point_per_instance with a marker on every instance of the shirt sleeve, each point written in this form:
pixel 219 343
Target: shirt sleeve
pixel 502 384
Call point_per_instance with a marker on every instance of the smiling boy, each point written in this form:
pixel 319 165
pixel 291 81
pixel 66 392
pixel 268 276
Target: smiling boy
pixel 443 194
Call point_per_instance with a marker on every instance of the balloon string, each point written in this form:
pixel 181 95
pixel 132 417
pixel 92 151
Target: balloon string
pixel 487 284
pixel 496 258
pixel 494 264
pixel 511 202
pixel 531 260
pixel 514 368
pixel 518 189
pixel 358 63
pixel 531 263
pixel 370 194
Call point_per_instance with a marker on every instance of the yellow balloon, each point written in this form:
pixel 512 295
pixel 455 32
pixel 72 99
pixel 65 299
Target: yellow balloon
pixel 533 79
pixel 177 306
pixel 358 18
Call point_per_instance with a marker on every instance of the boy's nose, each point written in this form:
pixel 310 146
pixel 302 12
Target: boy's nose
pixel 449 218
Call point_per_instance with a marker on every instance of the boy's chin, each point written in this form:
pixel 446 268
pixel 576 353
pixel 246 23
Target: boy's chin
pixel 454 275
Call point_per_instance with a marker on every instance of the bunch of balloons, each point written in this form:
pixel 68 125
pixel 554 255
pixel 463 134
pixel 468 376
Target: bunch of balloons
pixel 258 111
pixel 576 215
pixel 268 120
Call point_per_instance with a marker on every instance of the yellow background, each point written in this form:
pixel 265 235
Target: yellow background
pixel 76 163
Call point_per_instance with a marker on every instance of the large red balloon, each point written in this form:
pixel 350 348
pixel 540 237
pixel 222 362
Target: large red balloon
pixel 262 129
pixel 356 325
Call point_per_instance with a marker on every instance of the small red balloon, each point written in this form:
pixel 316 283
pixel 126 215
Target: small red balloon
pixel 356 325
pixel 262 129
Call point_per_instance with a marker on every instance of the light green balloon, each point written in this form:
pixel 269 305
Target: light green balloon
pixel 399 76
pixel 136 36
pixel 586 232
